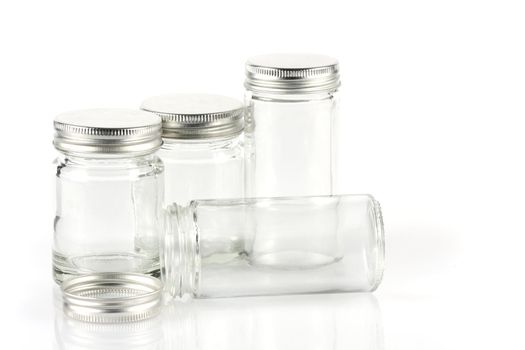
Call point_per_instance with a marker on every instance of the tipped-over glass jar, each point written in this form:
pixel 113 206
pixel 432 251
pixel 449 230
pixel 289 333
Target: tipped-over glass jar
pixel 291 109
pixel 223 248
pixel 202 151
pixel 109 191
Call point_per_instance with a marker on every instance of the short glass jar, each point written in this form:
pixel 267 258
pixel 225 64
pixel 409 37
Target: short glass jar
pixel 203 152
pixel 291 104
pixel 109 191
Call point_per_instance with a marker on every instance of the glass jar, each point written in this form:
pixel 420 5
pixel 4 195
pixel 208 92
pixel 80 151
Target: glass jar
pixel 203 150
pixel 291 102
pixel 223 248
pixel 109 190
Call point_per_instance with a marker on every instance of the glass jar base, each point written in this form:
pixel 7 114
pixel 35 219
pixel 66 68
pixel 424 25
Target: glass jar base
pixel 66 267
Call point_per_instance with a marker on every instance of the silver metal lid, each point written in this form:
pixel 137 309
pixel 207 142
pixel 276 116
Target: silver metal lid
pixel 107 131
pixel 292 74
pixel 197 116
pixel 112 297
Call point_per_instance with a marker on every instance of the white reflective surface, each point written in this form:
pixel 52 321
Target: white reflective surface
pixel 336 321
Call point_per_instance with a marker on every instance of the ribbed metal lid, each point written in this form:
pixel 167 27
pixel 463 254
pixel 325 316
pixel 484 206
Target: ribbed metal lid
pixel 292 73
pixel 107 131
pixel 112 297
pixel 197 116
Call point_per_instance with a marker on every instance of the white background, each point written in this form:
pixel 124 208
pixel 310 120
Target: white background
pixel 433 105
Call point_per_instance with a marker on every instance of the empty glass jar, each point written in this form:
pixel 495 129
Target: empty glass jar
pixel 202 152
pixel 291 105
pixel 223 248
pixel 109 190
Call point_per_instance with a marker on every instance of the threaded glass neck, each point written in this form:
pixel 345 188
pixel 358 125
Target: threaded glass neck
pixel 179 251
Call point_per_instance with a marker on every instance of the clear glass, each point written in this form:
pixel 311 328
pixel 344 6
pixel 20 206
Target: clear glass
pixel 108 215
pixel 289 141
pixel 223 248
pixel 203 168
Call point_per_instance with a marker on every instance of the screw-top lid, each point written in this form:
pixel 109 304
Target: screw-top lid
pixel 108 131
pixel 197 116
pixel 112 297
pixel 292 74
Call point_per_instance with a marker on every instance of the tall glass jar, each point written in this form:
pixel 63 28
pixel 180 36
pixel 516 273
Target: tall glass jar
pixel 109 190
pixel 291 102
pixel 203 147
pixel 269 246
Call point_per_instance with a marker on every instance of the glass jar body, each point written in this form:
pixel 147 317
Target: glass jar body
pixel 108 214
pixel 289 143
pixel 224 248
pixel 203 168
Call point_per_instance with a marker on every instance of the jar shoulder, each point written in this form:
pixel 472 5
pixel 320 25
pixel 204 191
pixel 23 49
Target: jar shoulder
pixel 296 98
pixel 130 167
pixel 212 149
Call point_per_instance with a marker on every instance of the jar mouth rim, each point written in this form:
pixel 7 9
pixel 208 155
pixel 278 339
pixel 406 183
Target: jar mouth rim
pixel 180 248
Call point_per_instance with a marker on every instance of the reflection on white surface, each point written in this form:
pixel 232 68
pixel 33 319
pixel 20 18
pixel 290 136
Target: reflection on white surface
pixel 71 334
pixel 323 321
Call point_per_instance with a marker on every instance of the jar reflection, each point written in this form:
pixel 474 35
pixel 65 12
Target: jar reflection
pixel 328 321
pixel 320 321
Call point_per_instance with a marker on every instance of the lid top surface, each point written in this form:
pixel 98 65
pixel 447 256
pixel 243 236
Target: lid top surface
pixel 191 104
pixel 108 118
pixel 292 61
